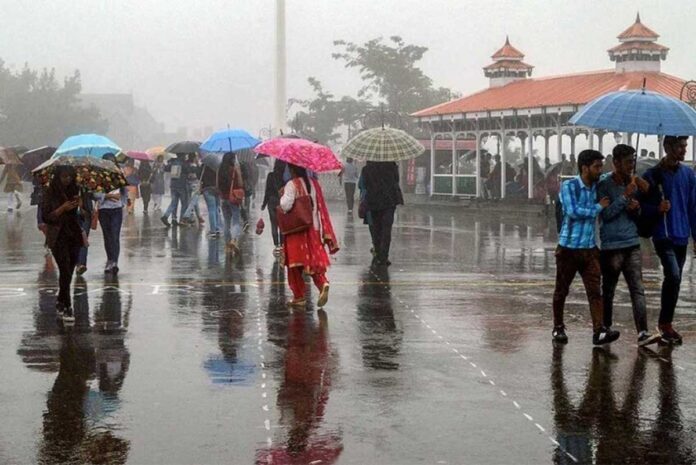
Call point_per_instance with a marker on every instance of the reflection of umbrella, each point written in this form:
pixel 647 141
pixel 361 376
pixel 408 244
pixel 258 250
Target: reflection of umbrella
pixel 300 152
pixel 638 111
pixel 223 371
pixel 229 140
pixel 83 145
pixel 383 144
pixel 187 146
pixel 93 174
pixel 9 157
pixel 136 155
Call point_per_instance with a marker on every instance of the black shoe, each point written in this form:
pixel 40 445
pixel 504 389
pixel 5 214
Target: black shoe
pixel 175 222
pixel 645 338
pixel 68 316
pixel 559 334
pixel 605 336
pixel 669 335
pixel 114 269
pixel 163 219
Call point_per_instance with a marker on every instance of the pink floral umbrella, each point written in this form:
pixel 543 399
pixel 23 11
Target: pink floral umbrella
pixel 300 152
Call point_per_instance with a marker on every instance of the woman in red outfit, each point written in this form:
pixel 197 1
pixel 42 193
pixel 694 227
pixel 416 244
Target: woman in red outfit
pixel 304 251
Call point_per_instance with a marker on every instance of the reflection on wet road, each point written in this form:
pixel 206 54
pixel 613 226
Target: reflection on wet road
pixel 444 358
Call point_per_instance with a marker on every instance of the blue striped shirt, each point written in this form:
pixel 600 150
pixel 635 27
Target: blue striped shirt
pixel 580 210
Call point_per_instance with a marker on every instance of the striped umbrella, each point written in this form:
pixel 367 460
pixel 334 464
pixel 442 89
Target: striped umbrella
pixel 382 144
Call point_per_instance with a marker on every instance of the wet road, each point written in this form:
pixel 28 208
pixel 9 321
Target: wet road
pixel 189 357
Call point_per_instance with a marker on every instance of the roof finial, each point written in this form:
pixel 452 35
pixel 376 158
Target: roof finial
pixel 507 39
pixel 638 17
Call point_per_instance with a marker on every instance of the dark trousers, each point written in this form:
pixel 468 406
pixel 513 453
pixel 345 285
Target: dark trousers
pixel 349 187
pixel 381 231
pixel 66 259
pixel 569 262
pixel 614 263
pixel 85 224
pixel 110 220
pixel 146 195
pixel 275 232
pixel 672 258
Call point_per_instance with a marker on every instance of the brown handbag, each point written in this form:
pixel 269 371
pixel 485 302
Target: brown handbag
pixel 236 195
pixel 299 218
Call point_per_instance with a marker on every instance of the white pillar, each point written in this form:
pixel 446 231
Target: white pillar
pixel 660 148
pixel 590 138
pixel 600 142
pixel 432 162
pixel 454 163
pixel 503 165
pixel 280 66
pixel 572 144
pixel 546 149
pixel 478 164
pixel 559 142
pixel 530 165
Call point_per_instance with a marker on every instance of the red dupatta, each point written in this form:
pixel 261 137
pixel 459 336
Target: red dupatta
pixel 328 236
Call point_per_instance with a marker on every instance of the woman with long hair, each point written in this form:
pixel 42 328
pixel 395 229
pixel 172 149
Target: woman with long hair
pixel 60 210
pixel 271 199
pixel 304 250
pixel 230 180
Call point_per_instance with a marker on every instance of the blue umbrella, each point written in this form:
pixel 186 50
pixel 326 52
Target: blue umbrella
pixel 640 112
pixel 229 140
pixel 87 145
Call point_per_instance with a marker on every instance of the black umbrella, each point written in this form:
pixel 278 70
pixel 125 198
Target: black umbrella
pixel 186 146
pixel 34 158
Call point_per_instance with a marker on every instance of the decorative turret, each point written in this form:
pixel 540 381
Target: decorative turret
pixel 507 66
pixel 638 50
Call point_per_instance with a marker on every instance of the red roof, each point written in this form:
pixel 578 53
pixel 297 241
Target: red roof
pixel 638 30
pixel 509 64
pixel 507 51
pixel 573 89
pixel 649 46
pixel 446 144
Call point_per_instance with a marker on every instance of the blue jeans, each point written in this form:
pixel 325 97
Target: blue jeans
pixel 85 224
pixel 110 220
pixel 192 207
pixel 672 258
pixel 231 214
pixel 177 196
pixel 213 203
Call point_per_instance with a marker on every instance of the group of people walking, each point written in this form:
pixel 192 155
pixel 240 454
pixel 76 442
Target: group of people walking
pixel 661 205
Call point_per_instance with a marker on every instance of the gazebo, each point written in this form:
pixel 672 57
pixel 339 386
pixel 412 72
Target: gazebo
pixel 517 105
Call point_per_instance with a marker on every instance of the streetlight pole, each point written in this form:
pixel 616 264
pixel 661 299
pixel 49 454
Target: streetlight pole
pixel 280 66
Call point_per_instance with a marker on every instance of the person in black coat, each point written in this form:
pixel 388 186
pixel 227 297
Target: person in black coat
pixel 271 199
pixel 64 236
pixel 383 194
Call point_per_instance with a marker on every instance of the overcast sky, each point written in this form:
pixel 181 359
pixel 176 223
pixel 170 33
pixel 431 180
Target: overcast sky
pixel 210 62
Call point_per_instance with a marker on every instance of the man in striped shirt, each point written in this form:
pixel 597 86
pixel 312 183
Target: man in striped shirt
pixel 577 250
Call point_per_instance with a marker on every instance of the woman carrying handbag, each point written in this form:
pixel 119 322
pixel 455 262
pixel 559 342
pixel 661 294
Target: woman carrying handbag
pixel 231 189
pixel 306 226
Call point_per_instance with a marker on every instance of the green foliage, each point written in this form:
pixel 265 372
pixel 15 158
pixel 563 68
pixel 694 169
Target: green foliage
pixel 38 110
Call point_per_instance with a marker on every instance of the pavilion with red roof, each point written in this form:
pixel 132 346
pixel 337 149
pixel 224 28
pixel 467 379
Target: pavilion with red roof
pixel 517 105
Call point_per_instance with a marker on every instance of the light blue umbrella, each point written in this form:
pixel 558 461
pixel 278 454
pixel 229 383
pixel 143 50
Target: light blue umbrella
pixel 229 140
pixel 640 112
pixel 87 145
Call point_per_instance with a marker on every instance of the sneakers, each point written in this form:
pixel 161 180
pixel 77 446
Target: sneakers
pixel 80 270
pixel 605 336
pixel 559 334
pixel 164 221
pixel 323 296
pixel 668 335
pixel 68 315
pixel 645 338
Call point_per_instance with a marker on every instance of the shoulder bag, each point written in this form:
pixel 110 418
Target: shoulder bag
pixel 299 218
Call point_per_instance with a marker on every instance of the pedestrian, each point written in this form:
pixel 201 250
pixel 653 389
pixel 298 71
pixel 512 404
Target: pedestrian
pixel 13 186
pixel 60 207
pixel 671 200
pixel 231 189
pixel 618 232
pixel 271 200
pixel 209 190
pixel 110 219
pixel 194 192
pixel 577 251
pixel 349 176
pixel 157 182
pixel 304 250
pixel 484 173
pixel 383 195
pixel 131 175
pixel 145 176
pixel 249 178
pixel 178 189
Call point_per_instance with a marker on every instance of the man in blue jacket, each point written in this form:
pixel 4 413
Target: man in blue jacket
pixel 672 201
pixel 618 232
pixel 577 250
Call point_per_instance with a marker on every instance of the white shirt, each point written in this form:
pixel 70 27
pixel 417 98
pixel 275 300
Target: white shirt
pixel 288 200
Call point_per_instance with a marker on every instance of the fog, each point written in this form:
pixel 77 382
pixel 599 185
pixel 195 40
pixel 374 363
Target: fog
pixel 210 62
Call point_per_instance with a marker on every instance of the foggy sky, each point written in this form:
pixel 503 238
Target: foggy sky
pixel 210 62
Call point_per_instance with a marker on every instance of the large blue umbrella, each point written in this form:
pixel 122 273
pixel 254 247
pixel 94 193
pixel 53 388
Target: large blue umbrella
pixel 229 140
pixel 640 112
pixel 87 145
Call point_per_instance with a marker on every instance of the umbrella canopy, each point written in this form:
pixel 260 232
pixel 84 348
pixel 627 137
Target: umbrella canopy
pixel 300 152
pixel 229 140
pixel 155 152
pixel 9 157
pixel 638 111
pixel 136 155
pixel 212 160
pixel 34 158
pixel 382 144
pixel 186 146
pixel 93 174
pixel 87 145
